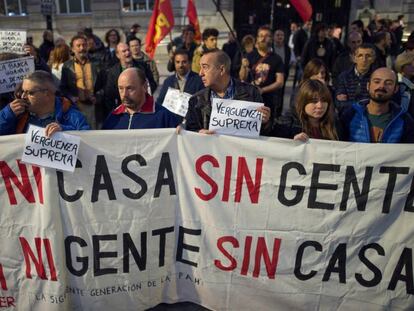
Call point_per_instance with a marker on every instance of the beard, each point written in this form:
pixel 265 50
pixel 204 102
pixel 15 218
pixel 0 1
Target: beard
pixel 128 102
pixel 262 46
pixel 380 97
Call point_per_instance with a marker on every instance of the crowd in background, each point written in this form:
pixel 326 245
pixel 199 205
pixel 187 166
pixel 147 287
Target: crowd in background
pixel 356 88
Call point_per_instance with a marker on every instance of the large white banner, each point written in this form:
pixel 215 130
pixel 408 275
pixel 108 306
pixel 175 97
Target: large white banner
pixel 225 222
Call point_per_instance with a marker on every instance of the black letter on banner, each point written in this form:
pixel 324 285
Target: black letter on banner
pixel 162 233
pixel 406 260
pixel 97 255
pixel 165 166
pixel 128 193
pixel 339 255
pixel 84 260
pixel 140 260
pixel 181 246
pixel 315 185
pixel 299 189
pixel 410 199
pixel 61 186
pixel 299 256
pixel 101 170
pixel 361 197
pixel 393 172
pixel 377 272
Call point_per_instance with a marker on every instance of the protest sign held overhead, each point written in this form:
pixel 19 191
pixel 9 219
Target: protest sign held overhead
pixel 13 71
pixel 12 41
pixel 176 101
pixel 235 117
pixel 59 151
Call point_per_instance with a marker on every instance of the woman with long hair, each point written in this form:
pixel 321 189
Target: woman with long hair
pixel 59 55
pixel 314 114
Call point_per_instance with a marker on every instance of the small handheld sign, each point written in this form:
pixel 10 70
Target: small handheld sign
pixel 59 151
pixel 235 117
pixel 176 101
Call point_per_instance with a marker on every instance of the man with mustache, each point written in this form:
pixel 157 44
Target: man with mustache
pixel 378 119
pixel 184 78
pixel 79 80
pixel 265 70
pixel 137 109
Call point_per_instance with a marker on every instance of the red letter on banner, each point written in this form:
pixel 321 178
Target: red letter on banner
pixel 244 173
pixel 261 251
pixel 38 262
pixel 214 188
pixel 233 262
pixel 24 186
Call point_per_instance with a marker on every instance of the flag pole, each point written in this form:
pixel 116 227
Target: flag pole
pixel 229 27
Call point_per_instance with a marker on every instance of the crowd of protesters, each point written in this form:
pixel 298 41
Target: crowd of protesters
pixel 359 90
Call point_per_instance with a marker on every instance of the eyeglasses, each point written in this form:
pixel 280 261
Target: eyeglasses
pixel 33 92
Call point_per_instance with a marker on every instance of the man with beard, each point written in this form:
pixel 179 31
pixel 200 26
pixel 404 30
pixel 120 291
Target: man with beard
pixel 79 80
pixel 265 69
pixel 378 119
pixel 138 109
pixel 184 79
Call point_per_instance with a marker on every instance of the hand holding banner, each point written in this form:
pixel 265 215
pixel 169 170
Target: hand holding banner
pixel 176 101
pixel 235 117
pixel 59 152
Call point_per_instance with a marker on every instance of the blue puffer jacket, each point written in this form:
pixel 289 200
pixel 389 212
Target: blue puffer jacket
pixel 70 119
pixel 356 125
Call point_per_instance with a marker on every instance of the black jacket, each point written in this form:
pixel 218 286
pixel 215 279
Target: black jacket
pixel 199 106
pixel 68 81
pixel 112 99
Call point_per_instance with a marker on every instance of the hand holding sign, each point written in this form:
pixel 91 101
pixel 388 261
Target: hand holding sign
pixel 236 117
pixel 59 152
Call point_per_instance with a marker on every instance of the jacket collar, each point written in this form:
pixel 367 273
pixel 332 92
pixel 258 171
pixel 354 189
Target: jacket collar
pixel 148 107
pixel 361 107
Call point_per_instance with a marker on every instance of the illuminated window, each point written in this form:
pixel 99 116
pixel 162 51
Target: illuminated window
pixel 74 6
pixel 13 7
pixel 137 5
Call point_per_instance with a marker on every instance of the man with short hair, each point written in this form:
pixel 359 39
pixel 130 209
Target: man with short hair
pixel 80 77
pixel 184 79
pixel 344 61
pixel 378 119
pixel 139 56
pixel 215 74
pixel 265 70
pixel 137 109
pixel 123 53
pixel 352 84
pixel 209 38
pixel 382 43
pixel 39 106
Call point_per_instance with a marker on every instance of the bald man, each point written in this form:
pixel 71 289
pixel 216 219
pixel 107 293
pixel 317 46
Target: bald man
pixel 378 119
pixel 124 55
pixel 137 109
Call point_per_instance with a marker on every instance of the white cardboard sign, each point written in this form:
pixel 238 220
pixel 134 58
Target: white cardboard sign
pixel 13 71
pixel 59 151
pixel 235 117
pixel 12 41
pixel 176 101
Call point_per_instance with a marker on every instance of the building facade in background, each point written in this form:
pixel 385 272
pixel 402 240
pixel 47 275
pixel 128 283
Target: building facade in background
pixel 245 16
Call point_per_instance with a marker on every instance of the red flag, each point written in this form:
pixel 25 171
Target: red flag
pixel 193 19
pixel 161 23
pixel 304 9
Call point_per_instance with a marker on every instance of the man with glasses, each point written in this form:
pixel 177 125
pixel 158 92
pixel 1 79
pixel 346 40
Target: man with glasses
pixel 37 104
pixel 352 84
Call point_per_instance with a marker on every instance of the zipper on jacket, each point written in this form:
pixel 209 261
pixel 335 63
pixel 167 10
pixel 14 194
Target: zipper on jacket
pixel 389 123
pixel 130 121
